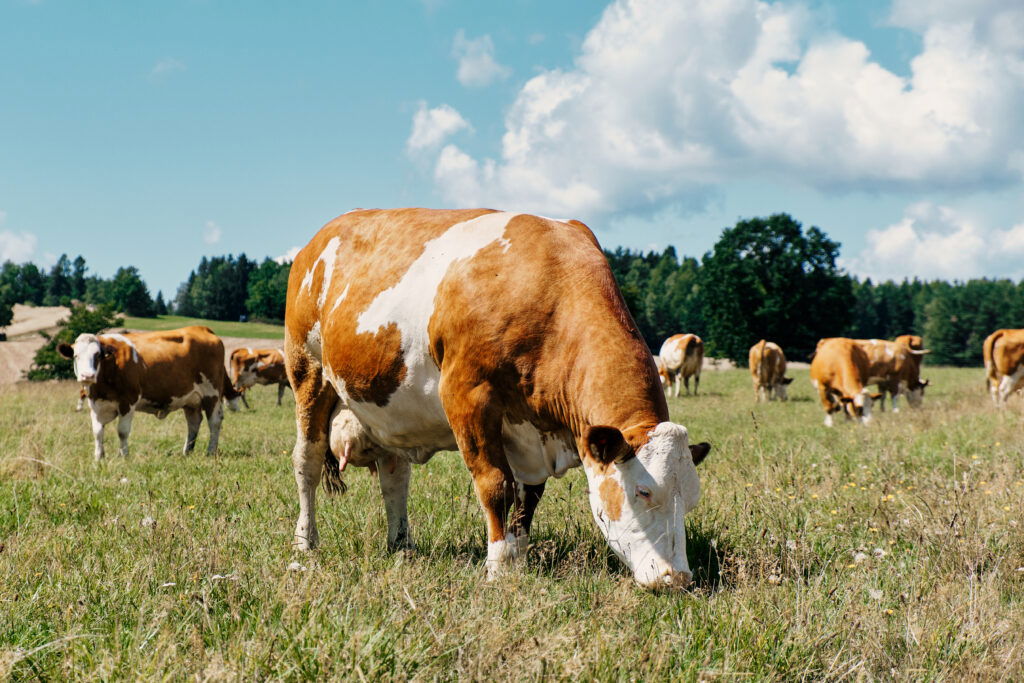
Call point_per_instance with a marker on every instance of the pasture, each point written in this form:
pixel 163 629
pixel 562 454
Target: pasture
pixel 892 551
pixel 223 328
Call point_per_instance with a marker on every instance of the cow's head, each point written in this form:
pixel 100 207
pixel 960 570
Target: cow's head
pixel 915 393
pixel 243 369
pixel 87 352
pixel 780 388
pixel 858 406
pixel 639 499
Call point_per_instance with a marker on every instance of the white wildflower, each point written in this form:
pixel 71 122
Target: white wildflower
pixel 296 567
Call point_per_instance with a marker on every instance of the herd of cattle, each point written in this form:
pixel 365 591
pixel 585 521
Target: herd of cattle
pixel 502 336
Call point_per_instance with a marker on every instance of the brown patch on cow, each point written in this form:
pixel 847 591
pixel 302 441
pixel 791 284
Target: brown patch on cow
pixel 612 495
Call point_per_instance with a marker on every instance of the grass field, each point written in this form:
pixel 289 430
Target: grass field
pixel 892 551
pixel 219 327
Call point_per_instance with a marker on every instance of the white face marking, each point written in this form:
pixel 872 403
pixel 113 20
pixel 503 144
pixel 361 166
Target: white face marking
pixel 650 533
pixel 87 351
pixel 329 257
pixel 414 416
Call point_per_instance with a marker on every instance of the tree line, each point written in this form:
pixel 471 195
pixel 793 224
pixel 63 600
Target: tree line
pixel 765 277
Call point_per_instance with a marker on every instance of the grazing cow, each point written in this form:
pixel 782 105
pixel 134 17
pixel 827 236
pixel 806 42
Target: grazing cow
pixel 666 381
pixel 153 372
pixel 504 336
pixel 258 366
pixel 768 370
pixel 840 373
pixel 895 367
pixel 683 355
pixel 1003 351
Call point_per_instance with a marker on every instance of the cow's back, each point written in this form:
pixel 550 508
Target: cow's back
pixel 381 298
pixel 176 362
pixel 842 363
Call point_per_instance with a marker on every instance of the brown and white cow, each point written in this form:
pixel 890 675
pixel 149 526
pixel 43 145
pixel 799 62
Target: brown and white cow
pixel 683 355
pixel 502 335
pixel 1003 351
pixel 153 372
pixel 840 372
pixel 895 367
pixel 666 381
pixel 768 370
pixel 250 367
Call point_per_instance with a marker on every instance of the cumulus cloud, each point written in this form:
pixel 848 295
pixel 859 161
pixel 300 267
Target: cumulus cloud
pixel 667 99
pixel 477 66
pixel 16 246
pixel 431 127
pixel 288 256
pixel 212 233
pixel 939 242
pixel 166 66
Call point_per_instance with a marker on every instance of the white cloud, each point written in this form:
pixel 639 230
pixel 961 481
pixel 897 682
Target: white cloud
pixel 17 246
pixel 430 127
pixel 667 99
pixel 942 243
pixel 477 67
pixel 288 256
pixel 166 66
pixel 212 233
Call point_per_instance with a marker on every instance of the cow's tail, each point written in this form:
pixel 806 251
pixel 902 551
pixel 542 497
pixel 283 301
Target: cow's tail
pixel 333 483
pixel 229 394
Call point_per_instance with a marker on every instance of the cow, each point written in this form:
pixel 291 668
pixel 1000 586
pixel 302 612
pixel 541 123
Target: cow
pixel 683 355
pixel 1003 351
pixel 502 335
pixel 258 366
pixel 768 371
pixel 895 367
pixel 840 373
pixel 666 381
pixel 153 372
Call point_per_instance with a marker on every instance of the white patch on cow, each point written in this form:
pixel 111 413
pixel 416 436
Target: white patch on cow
pixel 414 416
pixel 828 420
pixel 341 297
pixel 535 456
pixel 1008 383
pixel 124 340
pixel 313 341
pixel 329 257
pixel 500 554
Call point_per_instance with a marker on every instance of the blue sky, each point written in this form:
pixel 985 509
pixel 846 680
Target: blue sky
pixel 153 133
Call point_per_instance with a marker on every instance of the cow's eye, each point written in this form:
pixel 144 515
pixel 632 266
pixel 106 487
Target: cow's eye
pixel 643 492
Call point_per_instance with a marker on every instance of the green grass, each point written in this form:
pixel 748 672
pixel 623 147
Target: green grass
pixel 219 327
pixel 892 551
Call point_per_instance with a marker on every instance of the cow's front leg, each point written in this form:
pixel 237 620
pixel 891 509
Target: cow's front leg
pixel 476 421
pixel 686 383
pixel 696 384
pixel 678 381
pixel 394 473
pixel 193 418
pixel 98 423
pixel 213 406
pixel 124 428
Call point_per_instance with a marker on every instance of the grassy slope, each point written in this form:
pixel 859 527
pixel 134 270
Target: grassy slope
pixel 220 327
pixel 932 500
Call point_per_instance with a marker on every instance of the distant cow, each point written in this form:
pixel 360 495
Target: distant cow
pixel 768 371
pixel 258 366
pixel 666 381
pixel 153 372
pixel 502 335
pixel 840 373
pixel 683 355
pixel 1003 351
pixel 895 366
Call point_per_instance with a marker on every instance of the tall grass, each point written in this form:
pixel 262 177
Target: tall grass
pixel 892 551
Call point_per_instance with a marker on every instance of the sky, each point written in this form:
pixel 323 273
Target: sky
pixel 150 134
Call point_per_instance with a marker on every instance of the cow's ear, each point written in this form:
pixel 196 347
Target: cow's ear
pixel 66 350
pixel 787 380
pixel 607 445
pixel 699 451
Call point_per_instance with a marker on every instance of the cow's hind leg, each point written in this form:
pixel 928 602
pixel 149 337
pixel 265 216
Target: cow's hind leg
pixel 314 401
pixel 213 406
pixel 686 383
pixel 280 393
pixel 394 473
pixel 193 418
pixel 696 384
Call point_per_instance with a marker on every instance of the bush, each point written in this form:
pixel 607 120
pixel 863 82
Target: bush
pixel 48 364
